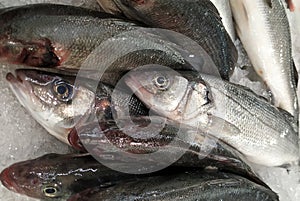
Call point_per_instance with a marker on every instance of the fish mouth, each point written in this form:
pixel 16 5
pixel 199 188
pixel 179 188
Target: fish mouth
pixel 7 179
pixel 20 86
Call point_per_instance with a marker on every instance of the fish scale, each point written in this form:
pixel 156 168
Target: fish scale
pixel 262 126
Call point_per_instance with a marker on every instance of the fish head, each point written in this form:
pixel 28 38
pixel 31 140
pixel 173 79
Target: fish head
pixel 38 178
pixel 169 93
pixel 54 101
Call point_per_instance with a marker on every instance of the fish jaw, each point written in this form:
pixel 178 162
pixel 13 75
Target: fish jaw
pixel 12 180
pixel 271 61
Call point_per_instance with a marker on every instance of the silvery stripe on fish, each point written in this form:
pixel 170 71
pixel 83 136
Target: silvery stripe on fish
pixel 230 112
pixel 264 31
pixel 224 9
pixel 190 186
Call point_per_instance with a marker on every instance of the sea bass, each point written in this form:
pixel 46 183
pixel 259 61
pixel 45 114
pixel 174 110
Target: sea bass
pixel 189 186
pixel 58 176
pixel 264 30
pixel 230 112
pixel 149 145
pixel 197 19
pixel 58 104
pixel 72 38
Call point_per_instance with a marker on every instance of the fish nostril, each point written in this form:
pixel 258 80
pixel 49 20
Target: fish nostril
pixel 10 77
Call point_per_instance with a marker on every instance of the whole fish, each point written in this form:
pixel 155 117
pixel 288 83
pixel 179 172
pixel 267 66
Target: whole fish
pixel 154 147
pixel 59 176
pixel 72 38
pixel 226 15
pixel 263 28
pixel 232 113
pixel 197 19
pixel 190 186
pixel 58 104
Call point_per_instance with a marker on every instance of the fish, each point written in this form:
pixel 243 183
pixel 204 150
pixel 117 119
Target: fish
pixel 136 143
pixel 189 185
pixel 55 176
pixel 264 30
pixel 58 176
pixel 59 102
pixel 197 19
pixel 232 113
pixel 77 39
pixel 226 15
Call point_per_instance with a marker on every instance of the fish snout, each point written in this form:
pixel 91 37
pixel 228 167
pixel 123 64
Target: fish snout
pixel 8 180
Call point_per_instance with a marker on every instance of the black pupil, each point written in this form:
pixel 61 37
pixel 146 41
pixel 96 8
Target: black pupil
pixel 61 89
pixel 50 190
pixel 161 80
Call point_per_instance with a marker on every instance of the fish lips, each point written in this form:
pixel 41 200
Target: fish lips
pixel 9 181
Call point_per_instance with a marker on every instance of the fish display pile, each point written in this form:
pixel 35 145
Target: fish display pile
pixel 142 95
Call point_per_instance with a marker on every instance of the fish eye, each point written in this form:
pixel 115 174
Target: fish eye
pixel 63 91
pixel 161 82
pixel 52 190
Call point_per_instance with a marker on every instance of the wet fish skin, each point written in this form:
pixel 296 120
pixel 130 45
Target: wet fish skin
pixel 66 174
pixel 190 185
pixel 38 92
pixel 230 112
pixel 226 15
pixel 293 14
pixel 72 173
pixel 264 30
pixel 72 38
pixel 196 19
pixel 27 25
pixel 195 151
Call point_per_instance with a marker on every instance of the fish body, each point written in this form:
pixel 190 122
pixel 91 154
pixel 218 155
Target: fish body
pixel 72 39
pixel 60 102
pixel 197 19
pixel 263 28
pixel 190 185
pixel 58 176
pixel 147 145
pixel 230 112
pixel 226 15
pixel 55 176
